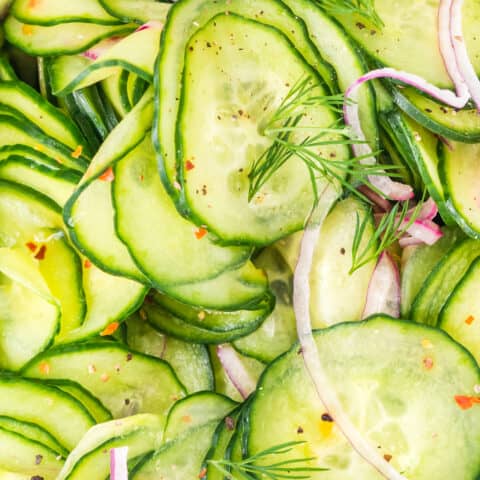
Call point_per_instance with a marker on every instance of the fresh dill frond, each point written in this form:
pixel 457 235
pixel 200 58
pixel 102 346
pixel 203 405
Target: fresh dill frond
pixel 249 469
pixel 390 229
pixel 363 8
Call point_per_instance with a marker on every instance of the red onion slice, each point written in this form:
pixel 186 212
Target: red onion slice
pixel 426 231
pixel 235 370
pixel 447 50
pixel 327 395
pixel 408 241
pixel 118 463
pixel 377 200
pixel 463 60
pixel 150 24
pixel 383 295
pixel 428 211
pixel 102 47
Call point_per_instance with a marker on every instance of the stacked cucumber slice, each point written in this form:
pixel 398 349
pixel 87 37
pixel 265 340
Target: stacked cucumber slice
pixel 148 249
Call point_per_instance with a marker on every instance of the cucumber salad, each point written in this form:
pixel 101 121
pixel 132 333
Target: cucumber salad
pixel 239 240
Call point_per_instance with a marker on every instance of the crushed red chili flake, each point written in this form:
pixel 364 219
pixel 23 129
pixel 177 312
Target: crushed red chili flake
pixel 107 175
pixel 77 153
pixel 44 368
pixel 31 246
pixel 428 363
pixel 40 255
pixel 203 473
pixel 470 319
pixel 187 419
pixel 189 165
pixel 387 457
pixel 110 329
pixel 104 377
pixel 200 233
pixel 466 402
pixel 87 263
pixel 33 3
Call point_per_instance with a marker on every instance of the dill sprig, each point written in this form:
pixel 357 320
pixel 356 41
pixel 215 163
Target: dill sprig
pixel 249 469
pixel 390 229
pixel 363 8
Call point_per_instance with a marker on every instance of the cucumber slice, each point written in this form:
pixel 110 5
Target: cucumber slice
pixel 408 40
pixel 184 20
pixel 411 415
pixel 30 315
pixel 20 454
pixel 53 12
pixel 461 313
pixel 33 402
pixel 278 332
pixel 63 39
pixel 96 409
pixel 7 73
pixel 55 184
pixel 245 87
pixel 188 434
pixel 248 321
pixel 420 263
pixel 458 172
pixel 90 459
pixel 32 432
pixel 29 153
pixel 459 125
pixel 135 53
pixel 330 279
pixel 442 280
pixel 141 11
pixel 163 244
pixel 110 87
pixel 125 382
pixel 190 361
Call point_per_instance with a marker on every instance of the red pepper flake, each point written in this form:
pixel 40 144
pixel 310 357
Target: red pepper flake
pixel 203 473
pixel 110 329
pixel 33 3
pixel 40 255
pixel 187 419
pixel 428 363
pixel 465 402
pixel 77 153
pixel 104 377
pixel 470 319
pixel 107 175
pixel 387 457
pixel 200 233
pixel 44 368
pixel 189 165
pixel 31 246
pixel 87 263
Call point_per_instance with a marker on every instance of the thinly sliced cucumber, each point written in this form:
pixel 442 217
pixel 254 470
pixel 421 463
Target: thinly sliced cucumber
pixel 33 432
pixel 53 12
pixel 462 125
pixel 278 332
pixel 330 39
pixel 166 247
pixel 63 39
pixel 20 454
pixel 21 98
pixel 408 39
pixel 125 382
pixel 442 280
pixel 29 153
pixel 90 459
pixel 30 315
pixel 458 171
pixel 141 11
pixel 55 184
pixel 30 401
pixel 245 86
pixel 109 300
pixel 411 416
pixel 135 53
pixel 7 73
pixel 461 314
pixel 188 434
pixel 331 281
pixel 190 361
pixel 184 20
pixel 14 131
pixel 420 263
pixel 179 328
pixel 110 87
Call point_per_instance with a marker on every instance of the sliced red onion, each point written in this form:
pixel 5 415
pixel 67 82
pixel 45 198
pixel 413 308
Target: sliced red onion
pixel 327 395
pixel 447 50
pixel 383 295
pixel 426 231
pixel 236 371
pixel 150 24
pixel 378 200
pixel 119 463
pixel 463 60
pixel 102 47
pixel 428 211
pixel 408 241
